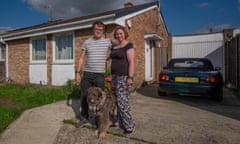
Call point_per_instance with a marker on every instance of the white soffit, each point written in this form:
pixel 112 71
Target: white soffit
pixel 153 36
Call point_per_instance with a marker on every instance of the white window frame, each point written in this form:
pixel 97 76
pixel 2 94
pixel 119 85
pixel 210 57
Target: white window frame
pixel 1 54
pixel 54 49
pixel 31 48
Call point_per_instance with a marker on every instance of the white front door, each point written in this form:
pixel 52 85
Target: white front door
pixel 148 60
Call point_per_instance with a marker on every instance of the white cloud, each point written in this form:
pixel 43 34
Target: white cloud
pixel 214 28
pixel 4 29
pixel 238 4
pixel 60 9
pixel 221 27
pixel 203 5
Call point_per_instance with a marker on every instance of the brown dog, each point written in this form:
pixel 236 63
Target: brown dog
pixel 103 105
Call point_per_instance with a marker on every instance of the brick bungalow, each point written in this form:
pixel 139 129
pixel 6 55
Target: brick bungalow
pixel 47 53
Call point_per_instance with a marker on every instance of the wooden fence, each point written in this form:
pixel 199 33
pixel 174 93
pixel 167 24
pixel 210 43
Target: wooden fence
pixel 232 59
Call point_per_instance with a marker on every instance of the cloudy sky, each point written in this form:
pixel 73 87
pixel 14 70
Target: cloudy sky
pixel 181 16
pixel 73 8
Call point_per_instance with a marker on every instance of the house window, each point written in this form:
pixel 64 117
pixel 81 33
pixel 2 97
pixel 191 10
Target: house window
pixel 38 49
pixel 64 47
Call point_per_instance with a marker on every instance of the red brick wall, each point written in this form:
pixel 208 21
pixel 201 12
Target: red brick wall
pixel 49 59
pixel 18 60
pixel 147 22
pixel 80 36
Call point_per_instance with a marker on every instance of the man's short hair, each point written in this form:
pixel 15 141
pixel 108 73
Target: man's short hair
pixel 98 23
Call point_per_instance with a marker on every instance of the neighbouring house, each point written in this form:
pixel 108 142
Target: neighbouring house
pixel 47 53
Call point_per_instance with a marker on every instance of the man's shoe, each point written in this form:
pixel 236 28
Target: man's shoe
pixel 81 123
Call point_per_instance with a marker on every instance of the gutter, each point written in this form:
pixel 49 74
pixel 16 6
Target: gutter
pixel 2 41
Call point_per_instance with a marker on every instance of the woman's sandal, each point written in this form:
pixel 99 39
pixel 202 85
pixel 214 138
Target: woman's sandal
pixel 128 131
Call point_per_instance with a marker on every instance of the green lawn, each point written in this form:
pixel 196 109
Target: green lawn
pixel 14 99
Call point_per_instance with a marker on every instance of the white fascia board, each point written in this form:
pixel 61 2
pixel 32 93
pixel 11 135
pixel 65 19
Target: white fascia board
pixel 165 28
pixel 120 22
pixel 45 32
pixel 56 28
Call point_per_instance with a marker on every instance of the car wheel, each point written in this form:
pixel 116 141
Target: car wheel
pixel 218 96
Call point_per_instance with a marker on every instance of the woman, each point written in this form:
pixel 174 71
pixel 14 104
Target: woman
pixel 122 69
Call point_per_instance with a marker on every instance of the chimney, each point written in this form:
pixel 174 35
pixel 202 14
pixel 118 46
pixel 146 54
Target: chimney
pixel 210 30
pixel 128 4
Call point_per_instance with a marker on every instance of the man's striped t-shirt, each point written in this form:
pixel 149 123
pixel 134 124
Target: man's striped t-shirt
pixel 96 52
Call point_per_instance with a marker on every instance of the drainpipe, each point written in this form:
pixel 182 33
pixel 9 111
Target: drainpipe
pixel 7 76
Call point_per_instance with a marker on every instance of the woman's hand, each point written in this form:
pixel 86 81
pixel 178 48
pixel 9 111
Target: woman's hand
pixel 129 81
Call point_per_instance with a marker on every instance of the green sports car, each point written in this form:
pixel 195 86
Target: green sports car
pixel 195 76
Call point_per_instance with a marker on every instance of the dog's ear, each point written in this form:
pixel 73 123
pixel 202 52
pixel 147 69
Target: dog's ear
pixel 89 89
pixel 99 91
pixel 102 93
pixel 103 97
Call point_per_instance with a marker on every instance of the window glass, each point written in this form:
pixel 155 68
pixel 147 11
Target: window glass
pixel 64 47
pixel 38 49
pixel 189 64
pixel 203 64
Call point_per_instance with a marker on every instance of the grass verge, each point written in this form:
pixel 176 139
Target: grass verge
pixel 15 99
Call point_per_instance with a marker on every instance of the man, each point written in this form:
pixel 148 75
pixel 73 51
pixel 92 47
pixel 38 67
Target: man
pixel 94 52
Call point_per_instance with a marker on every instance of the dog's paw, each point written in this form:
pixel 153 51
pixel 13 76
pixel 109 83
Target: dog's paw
pixel 96 132
pixel 102 135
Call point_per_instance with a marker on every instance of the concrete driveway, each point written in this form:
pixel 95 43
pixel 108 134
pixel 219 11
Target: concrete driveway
pixel 160 120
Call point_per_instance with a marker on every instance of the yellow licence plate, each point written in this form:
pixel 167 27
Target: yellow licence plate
pixel 187 79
